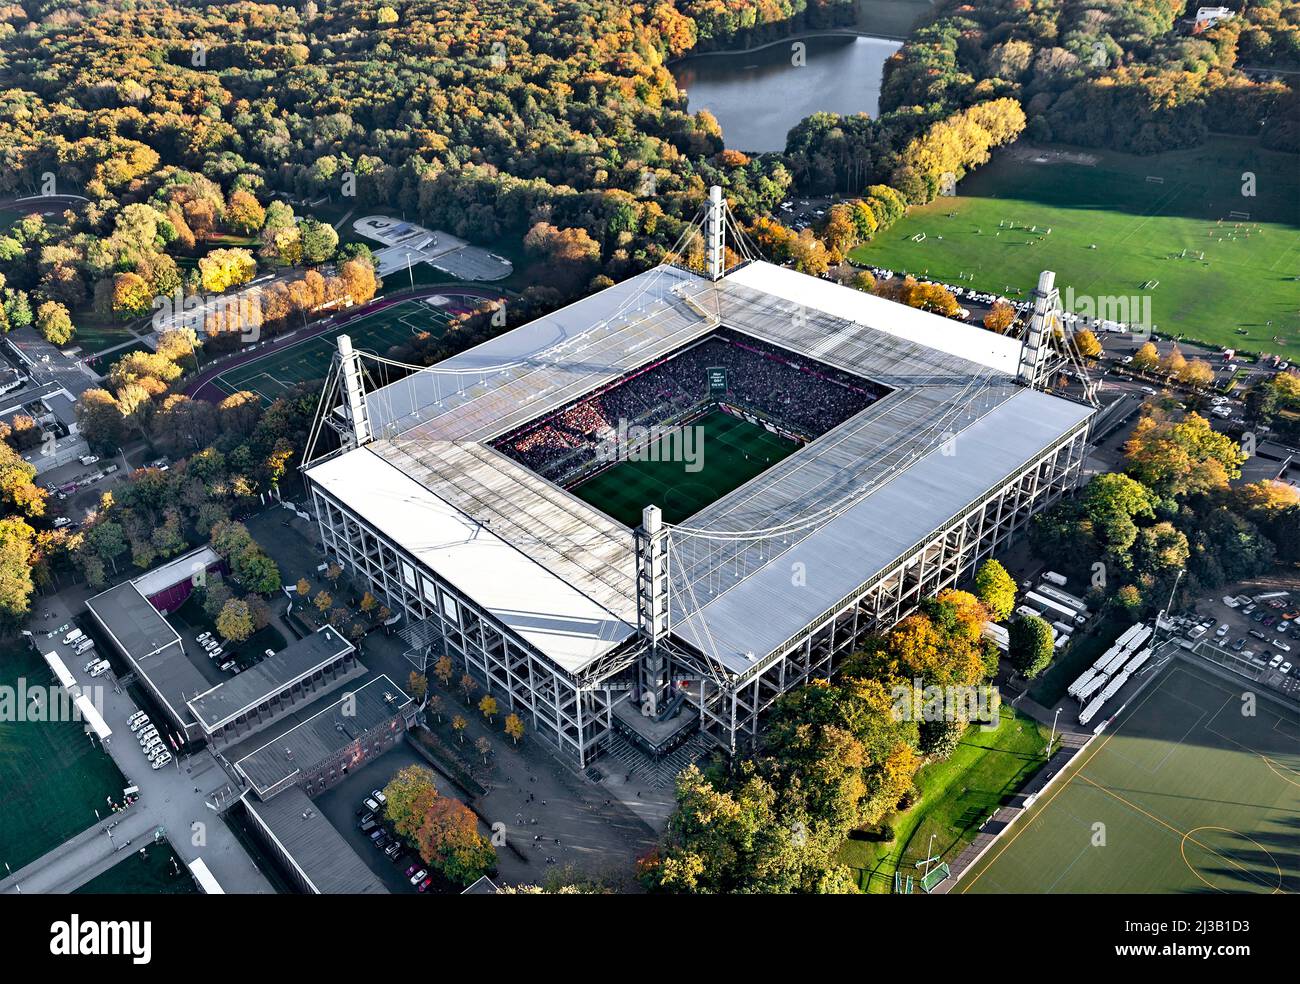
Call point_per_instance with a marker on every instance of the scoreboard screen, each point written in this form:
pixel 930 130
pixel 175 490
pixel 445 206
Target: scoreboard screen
pixel 717 379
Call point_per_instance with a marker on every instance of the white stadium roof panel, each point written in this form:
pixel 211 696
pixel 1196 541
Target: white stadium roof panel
pixel 561 622
pixel 1000 352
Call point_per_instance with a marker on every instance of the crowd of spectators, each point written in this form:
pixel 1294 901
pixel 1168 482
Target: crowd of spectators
pixel 797 394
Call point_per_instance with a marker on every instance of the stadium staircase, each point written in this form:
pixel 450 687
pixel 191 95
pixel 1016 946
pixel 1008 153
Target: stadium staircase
pixel 656 773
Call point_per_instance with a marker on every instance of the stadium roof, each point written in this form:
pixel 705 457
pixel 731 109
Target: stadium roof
pixel 313 846
pixel 322 735
pixel 548 612
pixel 880 477
pixel 263 680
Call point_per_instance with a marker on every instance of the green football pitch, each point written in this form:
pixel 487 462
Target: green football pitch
pixel 52 777
pixel 308 360
pixel 732 451
pixel 1195 789
pixel 1118 223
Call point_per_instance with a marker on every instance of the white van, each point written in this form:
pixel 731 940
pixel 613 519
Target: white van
pixel 73 636
pixel 100 668
pixel 84 645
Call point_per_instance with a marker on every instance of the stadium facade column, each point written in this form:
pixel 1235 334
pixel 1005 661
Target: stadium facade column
pixel 1035 348
pixel 716 224
pixel 653 671
pixel 354 393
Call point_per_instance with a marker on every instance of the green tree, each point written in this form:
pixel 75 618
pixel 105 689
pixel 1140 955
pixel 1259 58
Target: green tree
pixel 1030 645
pixel 54 323
pixel 235 622
pixel 996 589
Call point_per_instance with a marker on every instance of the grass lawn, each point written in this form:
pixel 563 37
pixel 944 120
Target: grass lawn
pixel 956 795
pixel 1185 793
pixel 1140 230
pixel 154 870
pixel 732 452
pixel 303 361
pixel 52 777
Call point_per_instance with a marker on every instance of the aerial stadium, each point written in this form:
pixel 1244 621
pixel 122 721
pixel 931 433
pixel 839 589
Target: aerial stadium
pixel 645 516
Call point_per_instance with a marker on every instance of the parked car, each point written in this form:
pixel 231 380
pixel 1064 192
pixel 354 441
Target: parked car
pixel 1282 646
pixel 1237 646
pixel 367 816
pixel 393 850
pixel 160 762
pixel 424 885
pixel 367 825
pixel 419 876
pixel 137 716
pixel 379 834
pixel 412 870
pixel 1222 630
pixel 378 796
pixel 228 665
pixel 88 459
pixel 1255 633
pixel 371 804
pixel 1275 662
pixel 1284 669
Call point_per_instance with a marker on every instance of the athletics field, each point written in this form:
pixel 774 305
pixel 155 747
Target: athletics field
pixel 1195 788
pixel 298 362
pixel 732 451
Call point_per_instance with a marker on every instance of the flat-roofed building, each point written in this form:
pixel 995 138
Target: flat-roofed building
pixel 361 725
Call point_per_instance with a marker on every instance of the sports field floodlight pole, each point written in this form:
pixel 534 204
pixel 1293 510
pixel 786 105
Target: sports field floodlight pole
pixel 1162 615
pixel 1052 740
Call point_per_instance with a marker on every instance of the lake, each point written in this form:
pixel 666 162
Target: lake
pixel 759 95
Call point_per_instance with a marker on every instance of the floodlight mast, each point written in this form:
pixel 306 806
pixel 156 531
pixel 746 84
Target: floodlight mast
pixel 715 232
pixel 652 606
pixel 355 411
pixel 1034 350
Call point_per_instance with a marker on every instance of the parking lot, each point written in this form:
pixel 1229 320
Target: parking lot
pixel 340 804
pixel 1258 634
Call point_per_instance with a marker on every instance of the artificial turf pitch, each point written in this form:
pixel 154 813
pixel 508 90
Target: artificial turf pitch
pixel 1195 789
pixel 308 360
pixel 52 776
pixel 733 452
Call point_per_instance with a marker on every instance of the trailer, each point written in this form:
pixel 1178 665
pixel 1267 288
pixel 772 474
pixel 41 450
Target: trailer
pixel 1138 661
pixel 1064 597
pixel 1139 638
pixel 1094 685
pixel 1024 611
pixel 1048 605
pixel 1128 634
pixel 1084 679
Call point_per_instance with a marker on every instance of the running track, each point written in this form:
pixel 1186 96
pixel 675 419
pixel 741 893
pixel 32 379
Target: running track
pixel 203 387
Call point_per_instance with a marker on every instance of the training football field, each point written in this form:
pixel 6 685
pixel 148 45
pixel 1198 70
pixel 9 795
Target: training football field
pixel 1224 264
pixel 1195 789
pixel 53 776
pixel 732 451
pixel 279 371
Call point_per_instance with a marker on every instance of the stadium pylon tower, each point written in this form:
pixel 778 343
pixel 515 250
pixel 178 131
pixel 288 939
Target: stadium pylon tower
pixel 900 449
